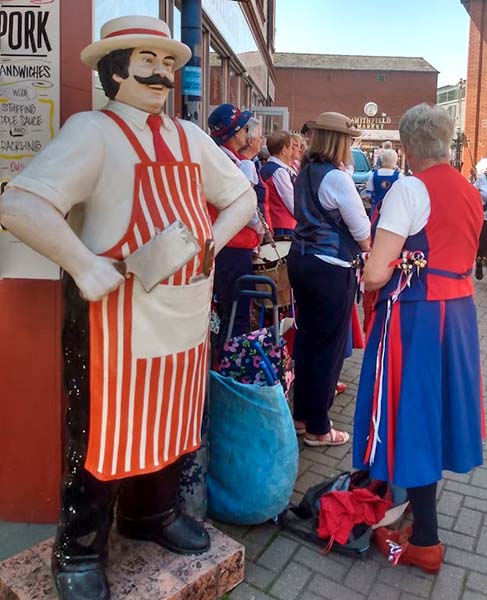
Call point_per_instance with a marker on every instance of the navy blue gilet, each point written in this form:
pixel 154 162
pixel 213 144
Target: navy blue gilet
pixel 382 184
pixel 318 230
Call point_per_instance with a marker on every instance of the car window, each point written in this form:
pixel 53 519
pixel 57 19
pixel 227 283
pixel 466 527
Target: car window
pixel 360 162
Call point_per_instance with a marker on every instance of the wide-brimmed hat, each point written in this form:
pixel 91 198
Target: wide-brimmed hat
pixel 333 121
pixel 225 121
pixel 134 32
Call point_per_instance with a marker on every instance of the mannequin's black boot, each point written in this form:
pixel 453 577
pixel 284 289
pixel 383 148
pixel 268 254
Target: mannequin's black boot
pixel 80 580
pixel 172 529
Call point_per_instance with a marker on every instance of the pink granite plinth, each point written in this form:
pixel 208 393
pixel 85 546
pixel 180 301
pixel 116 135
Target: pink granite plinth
pixel 136 571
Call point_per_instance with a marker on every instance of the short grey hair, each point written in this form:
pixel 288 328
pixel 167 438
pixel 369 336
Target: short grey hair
pixel 388 158
pixel 426 131
pixel 387 145
pixel 255 128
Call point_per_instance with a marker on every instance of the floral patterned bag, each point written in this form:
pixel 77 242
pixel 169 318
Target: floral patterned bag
pixel 242 360
pixel 261 356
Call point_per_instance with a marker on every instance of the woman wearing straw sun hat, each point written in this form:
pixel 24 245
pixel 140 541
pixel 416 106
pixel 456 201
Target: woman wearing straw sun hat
pixel 134 359
pixel 332 227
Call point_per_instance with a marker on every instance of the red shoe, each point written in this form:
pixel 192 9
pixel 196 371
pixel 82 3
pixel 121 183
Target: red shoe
pixel 395 546
pixel 340 388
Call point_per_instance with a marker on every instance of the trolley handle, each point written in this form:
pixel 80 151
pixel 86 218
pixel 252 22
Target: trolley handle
pixel 241 288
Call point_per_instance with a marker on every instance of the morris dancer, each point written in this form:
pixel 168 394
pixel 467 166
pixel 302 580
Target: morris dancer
pixel 278 176
pixel 135 362
pixel 332 227
pixel 419 407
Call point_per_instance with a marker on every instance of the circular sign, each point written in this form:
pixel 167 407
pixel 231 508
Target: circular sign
pixel 370 109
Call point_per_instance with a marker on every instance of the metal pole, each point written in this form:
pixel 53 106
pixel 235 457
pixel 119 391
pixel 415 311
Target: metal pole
pixel 192 491
pixel 191 85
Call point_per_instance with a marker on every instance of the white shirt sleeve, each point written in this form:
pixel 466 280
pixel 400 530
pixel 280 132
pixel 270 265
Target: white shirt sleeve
pixel 369 188
pixel 284 187
pixel 406 207
pixel 67 171
pixel 337 190
pixel 248 169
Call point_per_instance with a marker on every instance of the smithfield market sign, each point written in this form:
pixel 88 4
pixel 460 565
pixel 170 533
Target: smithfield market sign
pixel 373 122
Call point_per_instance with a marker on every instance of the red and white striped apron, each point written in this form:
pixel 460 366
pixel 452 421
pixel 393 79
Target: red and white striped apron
pixel 148 351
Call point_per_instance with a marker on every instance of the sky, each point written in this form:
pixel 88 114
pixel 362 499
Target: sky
pixel 436 30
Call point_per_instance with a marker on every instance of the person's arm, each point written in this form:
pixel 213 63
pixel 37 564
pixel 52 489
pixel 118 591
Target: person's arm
pixel 284 187
pixel 339 186
pixel 42 227
pixel 248 169
pixel 387 247
pixel 405 211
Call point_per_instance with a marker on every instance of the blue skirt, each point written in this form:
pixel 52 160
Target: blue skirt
pixel 431 407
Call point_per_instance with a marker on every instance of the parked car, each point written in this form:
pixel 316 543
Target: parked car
pixel 362 169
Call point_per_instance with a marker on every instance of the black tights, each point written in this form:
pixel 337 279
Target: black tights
pixel 423 504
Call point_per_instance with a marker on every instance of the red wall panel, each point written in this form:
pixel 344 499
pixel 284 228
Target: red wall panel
pixel 30 350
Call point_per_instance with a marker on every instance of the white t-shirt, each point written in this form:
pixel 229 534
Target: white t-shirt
pixel 406 207
pixel 337 191
pixel 88 169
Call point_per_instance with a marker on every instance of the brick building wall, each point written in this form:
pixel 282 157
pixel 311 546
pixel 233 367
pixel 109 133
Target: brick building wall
pixel 476 98
pixel 308 92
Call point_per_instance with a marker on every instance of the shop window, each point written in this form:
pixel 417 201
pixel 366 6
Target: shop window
pixel 245 95
pixel 256 100
pixel 104 10
pixel 216 78
pixel 234 87
pixel 452 111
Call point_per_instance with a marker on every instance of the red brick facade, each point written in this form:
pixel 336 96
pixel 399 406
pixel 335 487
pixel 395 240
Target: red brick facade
pixel 308 92
pixel 476 98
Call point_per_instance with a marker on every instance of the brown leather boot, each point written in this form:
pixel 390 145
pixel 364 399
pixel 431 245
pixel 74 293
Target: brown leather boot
pixel 395 546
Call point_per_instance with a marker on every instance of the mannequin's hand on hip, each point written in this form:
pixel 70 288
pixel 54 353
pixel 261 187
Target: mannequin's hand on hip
pixel 98 279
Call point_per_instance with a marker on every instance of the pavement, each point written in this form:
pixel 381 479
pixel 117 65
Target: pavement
pixel 280 566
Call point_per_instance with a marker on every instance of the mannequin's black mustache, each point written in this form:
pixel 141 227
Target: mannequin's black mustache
pixel 155 80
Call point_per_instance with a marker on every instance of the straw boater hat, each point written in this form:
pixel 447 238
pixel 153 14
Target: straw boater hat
pixel 333 121
pixel 134 32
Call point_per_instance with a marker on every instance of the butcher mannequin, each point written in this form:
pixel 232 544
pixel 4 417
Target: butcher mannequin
pixel 135 360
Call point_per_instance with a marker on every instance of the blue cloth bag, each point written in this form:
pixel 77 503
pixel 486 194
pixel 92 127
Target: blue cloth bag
pixel 253 451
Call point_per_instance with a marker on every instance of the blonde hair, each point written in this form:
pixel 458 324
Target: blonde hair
pixel 332 146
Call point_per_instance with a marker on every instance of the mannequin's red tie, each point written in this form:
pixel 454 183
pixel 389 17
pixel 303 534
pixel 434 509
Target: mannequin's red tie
pixel 163 154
